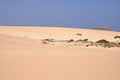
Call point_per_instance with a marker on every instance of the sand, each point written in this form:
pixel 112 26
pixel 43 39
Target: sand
pixel 58 33
pixel 24 57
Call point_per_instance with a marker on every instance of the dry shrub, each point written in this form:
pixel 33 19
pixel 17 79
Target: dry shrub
pixel 69 41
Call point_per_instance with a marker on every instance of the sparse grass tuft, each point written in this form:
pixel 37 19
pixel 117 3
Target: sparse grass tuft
pixel 78 34
pixel 46 41
pixel 69 41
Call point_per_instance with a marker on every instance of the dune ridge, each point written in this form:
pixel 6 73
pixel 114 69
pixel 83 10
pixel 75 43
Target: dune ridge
pixel 57 33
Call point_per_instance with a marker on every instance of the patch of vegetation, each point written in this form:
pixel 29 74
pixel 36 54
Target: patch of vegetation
pixel 102 41
pixel 79 40
pixel 78 34
pixel 49 40
pixel 46 41
pixel 69 41
pixel 85 40
pixel 117 37
pixel 106 44
pixel 87 45
pixel 119 43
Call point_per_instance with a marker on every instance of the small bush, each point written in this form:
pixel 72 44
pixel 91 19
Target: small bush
pixel 49 40
pixel 87 45
pixel 44 42
pixel 79 40
pixel 102 41
pixel 119 43
pixel 85 40
pixel 78 34
pixel 117 37
pixel 71 40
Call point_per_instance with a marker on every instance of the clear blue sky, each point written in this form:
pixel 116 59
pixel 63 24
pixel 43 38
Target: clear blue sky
pixel 65 13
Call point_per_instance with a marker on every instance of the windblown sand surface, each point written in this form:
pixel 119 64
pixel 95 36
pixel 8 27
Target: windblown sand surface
pixel 24 57
pixel 58 33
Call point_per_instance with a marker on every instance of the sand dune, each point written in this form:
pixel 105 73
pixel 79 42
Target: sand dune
pixel 58 33
pixel 24 58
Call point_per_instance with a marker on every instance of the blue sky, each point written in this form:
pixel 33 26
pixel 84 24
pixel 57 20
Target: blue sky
pixel 64 13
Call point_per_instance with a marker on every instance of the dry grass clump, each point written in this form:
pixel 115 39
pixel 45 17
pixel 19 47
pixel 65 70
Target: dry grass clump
pixel 79 40
pixel 69 41
pixel 46 41
pixel 78 34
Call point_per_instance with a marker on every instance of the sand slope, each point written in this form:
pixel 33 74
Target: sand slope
pixel 27 59
pixel 58 33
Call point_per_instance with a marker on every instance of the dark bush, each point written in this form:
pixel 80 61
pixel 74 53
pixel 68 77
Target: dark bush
pixel 79 40
pixel 85 40
pixel 78 34
pixel 71 40
pixel 102 41
pixel 117 37
pixel 87 45
pixel 49 40
pixel 119 43
pixel 44 42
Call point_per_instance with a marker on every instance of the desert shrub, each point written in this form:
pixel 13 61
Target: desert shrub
pixel 87 45
pixel 85 40
pixel 117 37
pixel 49 40
pixel 112 44
pixel 44 42
pixel 79 40
pixel 91 43
pixel 108 45
pixel 69 41
pixel 119 43
pixel 78 34
pixel 102 41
